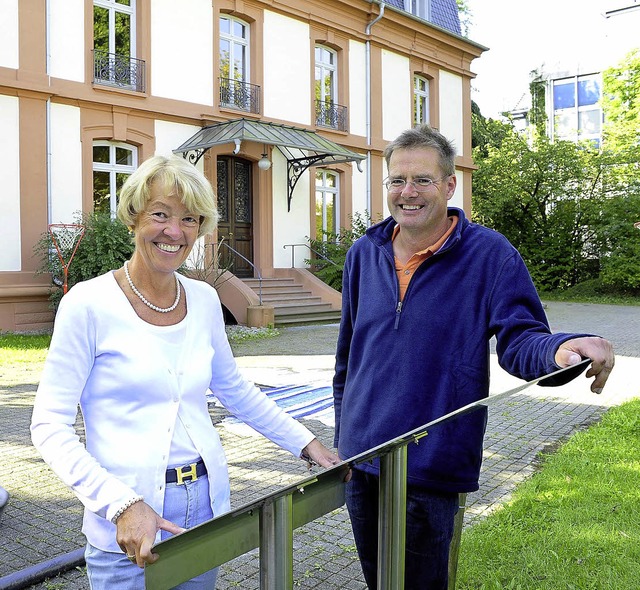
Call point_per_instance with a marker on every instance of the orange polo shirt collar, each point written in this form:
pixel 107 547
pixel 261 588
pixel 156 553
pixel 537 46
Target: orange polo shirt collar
pixel 405 271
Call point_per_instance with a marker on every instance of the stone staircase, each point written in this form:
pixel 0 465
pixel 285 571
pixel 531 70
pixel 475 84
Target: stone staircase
pixel 293 304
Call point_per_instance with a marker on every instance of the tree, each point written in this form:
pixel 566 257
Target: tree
pixel 545 198
pixel 619 240
pixel 465 16
pixel 621 103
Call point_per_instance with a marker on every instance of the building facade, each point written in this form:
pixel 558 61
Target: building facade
pixel 286 107
pixel 573 78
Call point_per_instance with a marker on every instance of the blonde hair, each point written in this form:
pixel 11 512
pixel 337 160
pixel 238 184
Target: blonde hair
pixel 174 172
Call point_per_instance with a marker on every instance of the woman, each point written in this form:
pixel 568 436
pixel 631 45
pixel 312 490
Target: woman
pixel 138 348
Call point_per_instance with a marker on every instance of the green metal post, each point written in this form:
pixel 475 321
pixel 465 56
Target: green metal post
pixel 276 544
pixel 454 551
pixel 392 522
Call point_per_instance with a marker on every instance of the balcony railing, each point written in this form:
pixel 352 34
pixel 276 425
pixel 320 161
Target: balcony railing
pixel 122 71
pixel 237 94
pixel 330 114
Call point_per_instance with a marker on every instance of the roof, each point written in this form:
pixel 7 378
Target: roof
pixel 302 148
pixel 301 141
pixel 444 13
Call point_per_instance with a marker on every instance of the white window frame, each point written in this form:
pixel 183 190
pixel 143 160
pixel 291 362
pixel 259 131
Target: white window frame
pixel 113 168
pixel 575 133
pixel 234 41
pixel 327 191
pixel 419 8
pixel 322 67
pixel 113 7
pixel 421 113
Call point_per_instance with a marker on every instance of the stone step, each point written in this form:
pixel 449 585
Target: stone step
pixel 292 303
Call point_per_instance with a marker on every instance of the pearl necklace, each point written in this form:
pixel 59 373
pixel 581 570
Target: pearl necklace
pixel 142 297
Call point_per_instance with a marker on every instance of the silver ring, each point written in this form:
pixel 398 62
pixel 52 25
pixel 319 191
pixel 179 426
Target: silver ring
pixel 131 558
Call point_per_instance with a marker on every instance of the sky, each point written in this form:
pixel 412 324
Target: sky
pixel 523 35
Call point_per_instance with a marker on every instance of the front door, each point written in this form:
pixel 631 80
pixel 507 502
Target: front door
pixel 234 207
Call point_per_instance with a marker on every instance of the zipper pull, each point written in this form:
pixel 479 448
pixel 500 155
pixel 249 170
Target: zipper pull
pixel 398 310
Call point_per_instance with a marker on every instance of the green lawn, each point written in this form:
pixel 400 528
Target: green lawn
pixel 23 348
pixel 574 525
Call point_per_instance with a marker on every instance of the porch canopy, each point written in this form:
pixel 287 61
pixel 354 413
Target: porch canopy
pixel 301 148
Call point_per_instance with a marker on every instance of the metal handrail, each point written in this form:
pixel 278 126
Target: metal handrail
pixel 293 253
pixel 268 523
pixel 255 268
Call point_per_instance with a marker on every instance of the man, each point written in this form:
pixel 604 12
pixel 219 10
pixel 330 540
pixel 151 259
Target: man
pixel 423 293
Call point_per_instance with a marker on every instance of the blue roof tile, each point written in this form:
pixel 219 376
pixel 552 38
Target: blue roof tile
pixel 444 13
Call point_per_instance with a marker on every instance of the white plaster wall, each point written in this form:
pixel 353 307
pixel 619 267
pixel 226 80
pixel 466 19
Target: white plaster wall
pixel 457 199
pixel 66 39
pixel 357 89
pixel 170 136
pixel 182 47
pixel 290 227
pixel 397 90
pixel 10 252
pixel 65 163
pixel 358 192
pixel 287 61
pixel 9 34
pixel 385 208
pixel 451 109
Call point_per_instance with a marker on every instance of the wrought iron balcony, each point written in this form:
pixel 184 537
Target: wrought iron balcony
pixel 330 114
pixel 111 69
pixel 237 94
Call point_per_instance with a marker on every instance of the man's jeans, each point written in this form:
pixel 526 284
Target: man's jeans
pixel 186 505
pixel 430 517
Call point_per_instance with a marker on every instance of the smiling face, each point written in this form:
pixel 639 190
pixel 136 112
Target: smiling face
pixel 419 212
pixel 165 231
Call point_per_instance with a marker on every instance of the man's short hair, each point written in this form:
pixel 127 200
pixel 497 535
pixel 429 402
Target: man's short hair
pixel 425 136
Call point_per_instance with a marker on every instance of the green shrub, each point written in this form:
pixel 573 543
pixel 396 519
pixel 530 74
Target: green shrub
pixel 105 246
pixel 331 250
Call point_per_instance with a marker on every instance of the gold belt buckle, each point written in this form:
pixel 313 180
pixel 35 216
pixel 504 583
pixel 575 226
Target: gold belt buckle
pixel 186 471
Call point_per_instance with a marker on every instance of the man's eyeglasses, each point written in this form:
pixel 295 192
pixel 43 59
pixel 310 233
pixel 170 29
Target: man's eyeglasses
pixel 397 185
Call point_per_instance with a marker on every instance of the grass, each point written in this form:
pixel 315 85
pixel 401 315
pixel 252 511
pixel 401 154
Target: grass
pixel 593 291
pixel 23 348
pixel 33 348
pixel 574 525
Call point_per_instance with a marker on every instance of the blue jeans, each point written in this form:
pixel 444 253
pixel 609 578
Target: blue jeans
pixel 186 505
pixel 430 517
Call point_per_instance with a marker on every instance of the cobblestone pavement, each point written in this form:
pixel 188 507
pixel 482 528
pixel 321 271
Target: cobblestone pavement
pixel 43 519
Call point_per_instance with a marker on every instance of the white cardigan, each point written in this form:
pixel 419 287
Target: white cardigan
pixel 108 360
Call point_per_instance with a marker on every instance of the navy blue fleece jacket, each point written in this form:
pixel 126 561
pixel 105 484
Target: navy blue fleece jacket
pixel 399 366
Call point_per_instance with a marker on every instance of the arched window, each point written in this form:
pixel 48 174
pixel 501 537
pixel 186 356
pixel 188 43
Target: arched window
pixel 327 203
pixel 114 45
pixel 420 100
pixel 236 91
pixel 328 112
pixel 234 49
pixel 112 164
